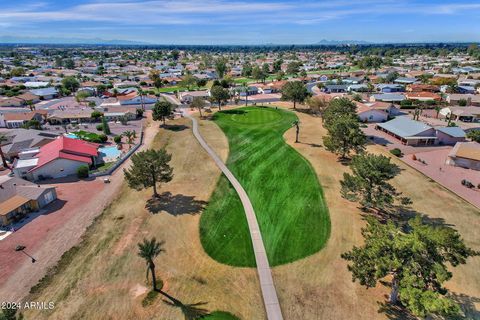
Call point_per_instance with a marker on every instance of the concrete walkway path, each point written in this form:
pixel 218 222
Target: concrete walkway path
pixel 270 299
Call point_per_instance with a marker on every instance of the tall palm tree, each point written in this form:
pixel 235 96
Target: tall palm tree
pixel 3 138
pixel 149 250
pixel 142 95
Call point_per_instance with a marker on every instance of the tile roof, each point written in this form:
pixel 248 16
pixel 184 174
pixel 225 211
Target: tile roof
pixel 67 148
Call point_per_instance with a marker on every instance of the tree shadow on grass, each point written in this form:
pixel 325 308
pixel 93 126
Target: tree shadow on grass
pixel 175 205
pixel 394 312
pixel 233 111
pixel 175 127
pixel 191 311
pixel 467 304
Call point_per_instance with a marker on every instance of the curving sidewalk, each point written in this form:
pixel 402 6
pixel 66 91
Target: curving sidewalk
pixel 270 299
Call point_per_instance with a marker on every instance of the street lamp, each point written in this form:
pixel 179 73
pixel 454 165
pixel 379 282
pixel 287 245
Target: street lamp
pixel 21 249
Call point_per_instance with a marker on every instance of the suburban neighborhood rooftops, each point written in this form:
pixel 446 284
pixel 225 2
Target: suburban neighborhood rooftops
pixel 405 127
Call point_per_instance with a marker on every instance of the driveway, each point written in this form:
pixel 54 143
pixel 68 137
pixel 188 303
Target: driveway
pixel 448 176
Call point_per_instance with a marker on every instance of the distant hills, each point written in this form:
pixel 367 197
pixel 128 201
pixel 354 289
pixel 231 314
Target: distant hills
pixel 53 40
pixel 341 42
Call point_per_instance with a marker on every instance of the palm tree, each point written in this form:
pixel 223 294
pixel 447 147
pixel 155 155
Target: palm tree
pixel 142 95
pixel 149 250
pixel 130 135
pixel 3 138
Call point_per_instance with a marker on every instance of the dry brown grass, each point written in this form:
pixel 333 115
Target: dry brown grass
pixel 106 278
pixel 320 287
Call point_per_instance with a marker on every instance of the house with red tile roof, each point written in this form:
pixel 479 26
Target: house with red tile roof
pixel 59 158
pixel 423 96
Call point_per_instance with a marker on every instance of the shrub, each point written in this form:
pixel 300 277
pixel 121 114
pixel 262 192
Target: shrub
pixel 82 172
pixel 396 152
pixel 117 139
pixel 102 138
pixel 99 127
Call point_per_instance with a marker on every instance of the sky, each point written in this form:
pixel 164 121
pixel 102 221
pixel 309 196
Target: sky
pixel 243 21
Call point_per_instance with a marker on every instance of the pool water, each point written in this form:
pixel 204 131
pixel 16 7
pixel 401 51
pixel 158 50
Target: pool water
pixel 109 154
pixel 71 135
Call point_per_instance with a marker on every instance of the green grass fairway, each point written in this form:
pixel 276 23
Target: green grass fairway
pixel 220 315
pixel 284 190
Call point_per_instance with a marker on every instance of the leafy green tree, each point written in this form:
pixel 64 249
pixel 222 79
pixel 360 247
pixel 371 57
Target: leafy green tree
pixel 81 96
pixel 219 95
pixel 69 64
pixel 162 110
pixel 277 65
pixel 221 67
pixel 337 108
pixel 149 250
pixel 17 72
pixel 105 126
pixel 266 68
pixel 258 74
pixel 149 168
pixel 317 105
pixel 70 83
pixel 344 136
pixel 96 115
pixel 188 81
pixel 294 91
pixel 198 103
pixel 416 259
pixel 293 67
pixel 33 124
pixel 474 135
pixel 154 76
pixel 247 70
pixel 368 182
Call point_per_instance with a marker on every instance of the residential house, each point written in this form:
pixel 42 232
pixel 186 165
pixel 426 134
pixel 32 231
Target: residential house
pixel 423 88
pixel 375 112
pixel 387 97
pixel 471 99
pixel 19 140
pixel 405 80
pixel 465 155
pixel 19 197
pixel 423 96
pixel 336 88
pixel 464 114
pixel 59 158
pixel 188 96
pixel 390 87
pixel 450 135
pixel 409 132
pixel 17 119
pixel 45 93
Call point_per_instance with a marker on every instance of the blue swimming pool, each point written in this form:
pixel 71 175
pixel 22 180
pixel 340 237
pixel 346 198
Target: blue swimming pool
pixel 109 153
pixel 71 135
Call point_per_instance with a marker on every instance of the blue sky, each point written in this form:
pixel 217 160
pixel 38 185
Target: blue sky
pixel 243 21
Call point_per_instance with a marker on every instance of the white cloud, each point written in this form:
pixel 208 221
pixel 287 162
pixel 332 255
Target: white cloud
pixel 239 12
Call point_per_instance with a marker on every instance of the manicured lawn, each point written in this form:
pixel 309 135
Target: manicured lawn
pixel 284 190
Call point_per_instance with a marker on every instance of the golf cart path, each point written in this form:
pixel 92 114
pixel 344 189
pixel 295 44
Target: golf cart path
pixel 270 299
